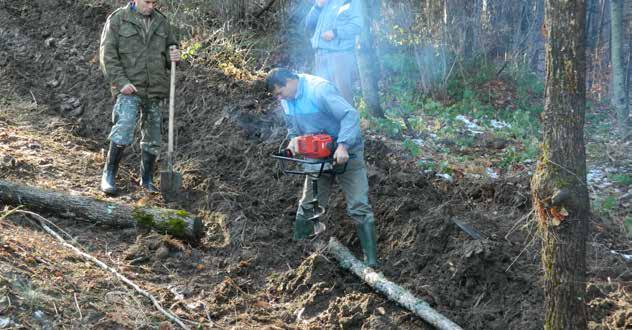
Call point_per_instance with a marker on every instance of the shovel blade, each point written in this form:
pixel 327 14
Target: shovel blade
pixel 170 183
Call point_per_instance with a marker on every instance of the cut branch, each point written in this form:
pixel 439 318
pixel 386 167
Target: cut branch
pixel 265 8
pixel 391 290
pixel 42 222
pixel 177 223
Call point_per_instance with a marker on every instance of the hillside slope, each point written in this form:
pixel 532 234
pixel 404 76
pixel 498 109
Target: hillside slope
pixel 247 272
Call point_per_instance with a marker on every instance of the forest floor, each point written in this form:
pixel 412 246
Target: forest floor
pixel 247 272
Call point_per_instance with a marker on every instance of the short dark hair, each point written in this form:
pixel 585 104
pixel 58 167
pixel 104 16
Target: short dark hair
pixel 279 77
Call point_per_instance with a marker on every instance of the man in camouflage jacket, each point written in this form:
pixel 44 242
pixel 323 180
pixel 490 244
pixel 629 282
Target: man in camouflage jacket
pixel 136 50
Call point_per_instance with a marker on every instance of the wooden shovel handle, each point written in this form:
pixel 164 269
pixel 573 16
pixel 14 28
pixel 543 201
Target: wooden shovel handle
pixel 172 93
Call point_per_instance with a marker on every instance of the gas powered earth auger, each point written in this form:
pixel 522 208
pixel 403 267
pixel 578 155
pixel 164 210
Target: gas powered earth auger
pixel 317 151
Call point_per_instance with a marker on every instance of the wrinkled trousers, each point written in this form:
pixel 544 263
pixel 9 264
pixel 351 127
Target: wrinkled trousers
pixel 340 68
pixel 355 186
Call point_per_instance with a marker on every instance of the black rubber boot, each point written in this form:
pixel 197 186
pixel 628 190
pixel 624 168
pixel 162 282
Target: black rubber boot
pixel 147 172
pixel 108 179
pixel 366 233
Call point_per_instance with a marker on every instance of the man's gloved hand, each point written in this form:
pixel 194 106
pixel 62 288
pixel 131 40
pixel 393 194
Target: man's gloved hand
pixel 128 89
pixel 341 156
pixel 293 146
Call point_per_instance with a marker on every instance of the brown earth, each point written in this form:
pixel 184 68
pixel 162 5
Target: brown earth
pixel 247 272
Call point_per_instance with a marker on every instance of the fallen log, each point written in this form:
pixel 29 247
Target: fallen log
pixel 391 290
pixel 177 223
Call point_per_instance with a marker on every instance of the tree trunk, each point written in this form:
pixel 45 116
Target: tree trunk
pixel 391 290
pixel 468 42
pixel 559 191
pixel 597 61
pixel 591 5
pixel 619 99
pixel 368 69
pixel 445 42
pixel 627 37
pixel 177 223
pixel 536 37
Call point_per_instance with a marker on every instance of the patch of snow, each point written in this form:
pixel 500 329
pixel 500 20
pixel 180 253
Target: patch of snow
pixel 5 322
pixel 490 172
pixel 500 124
pixel 39 315
pixel 471 126
pixel 473 175
pixel 626 257
pixel 595 175
pixel 605 185
pixel 419 142
pixel 445 176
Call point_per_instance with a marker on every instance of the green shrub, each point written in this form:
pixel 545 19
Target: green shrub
pixel 605 205
pixel 412 147
pixel 386 126
pixel 622 179
pixel 628 226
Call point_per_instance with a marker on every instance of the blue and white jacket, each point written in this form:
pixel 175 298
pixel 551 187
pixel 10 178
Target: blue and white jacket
pixel 344 17
pixel 319 108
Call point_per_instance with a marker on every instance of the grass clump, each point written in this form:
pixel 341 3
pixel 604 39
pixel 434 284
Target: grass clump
pixel 474 102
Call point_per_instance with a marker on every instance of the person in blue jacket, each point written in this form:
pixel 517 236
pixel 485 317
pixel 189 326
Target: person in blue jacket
pixel 333 26
pixel 313 105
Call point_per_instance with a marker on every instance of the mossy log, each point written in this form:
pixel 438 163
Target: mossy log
pixel 177 223
pixel 391 290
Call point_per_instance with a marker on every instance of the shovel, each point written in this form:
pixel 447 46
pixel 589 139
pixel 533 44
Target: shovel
pixel 170 180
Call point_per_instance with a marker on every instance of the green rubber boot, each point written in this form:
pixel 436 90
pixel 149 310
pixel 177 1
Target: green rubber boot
pixel 366 233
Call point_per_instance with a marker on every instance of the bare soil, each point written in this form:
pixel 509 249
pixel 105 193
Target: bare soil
pixel 247 272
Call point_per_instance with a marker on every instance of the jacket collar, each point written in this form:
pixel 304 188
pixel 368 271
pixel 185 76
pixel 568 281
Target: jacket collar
pixel 136 18
pixel 300 89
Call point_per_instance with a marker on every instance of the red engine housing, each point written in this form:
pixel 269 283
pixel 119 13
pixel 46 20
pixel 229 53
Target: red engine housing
pixel 317 146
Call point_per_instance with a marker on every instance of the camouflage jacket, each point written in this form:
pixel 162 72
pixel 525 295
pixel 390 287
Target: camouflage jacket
pixel 131 52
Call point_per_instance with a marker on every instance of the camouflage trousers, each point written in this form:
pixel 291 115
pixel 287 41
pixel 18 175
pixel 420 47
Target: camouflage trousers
pixel 124 117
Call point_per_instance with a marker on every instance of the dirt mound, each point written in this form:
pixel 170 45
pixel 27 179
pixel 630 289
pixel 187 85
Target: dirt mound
pixel 247 272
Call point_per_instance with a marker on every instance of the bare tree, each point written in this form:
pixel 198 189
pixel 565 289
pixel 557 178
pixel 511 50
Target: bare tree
pixel 368 71
pixel 559 190
pixel 619 95
pixel 472 22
